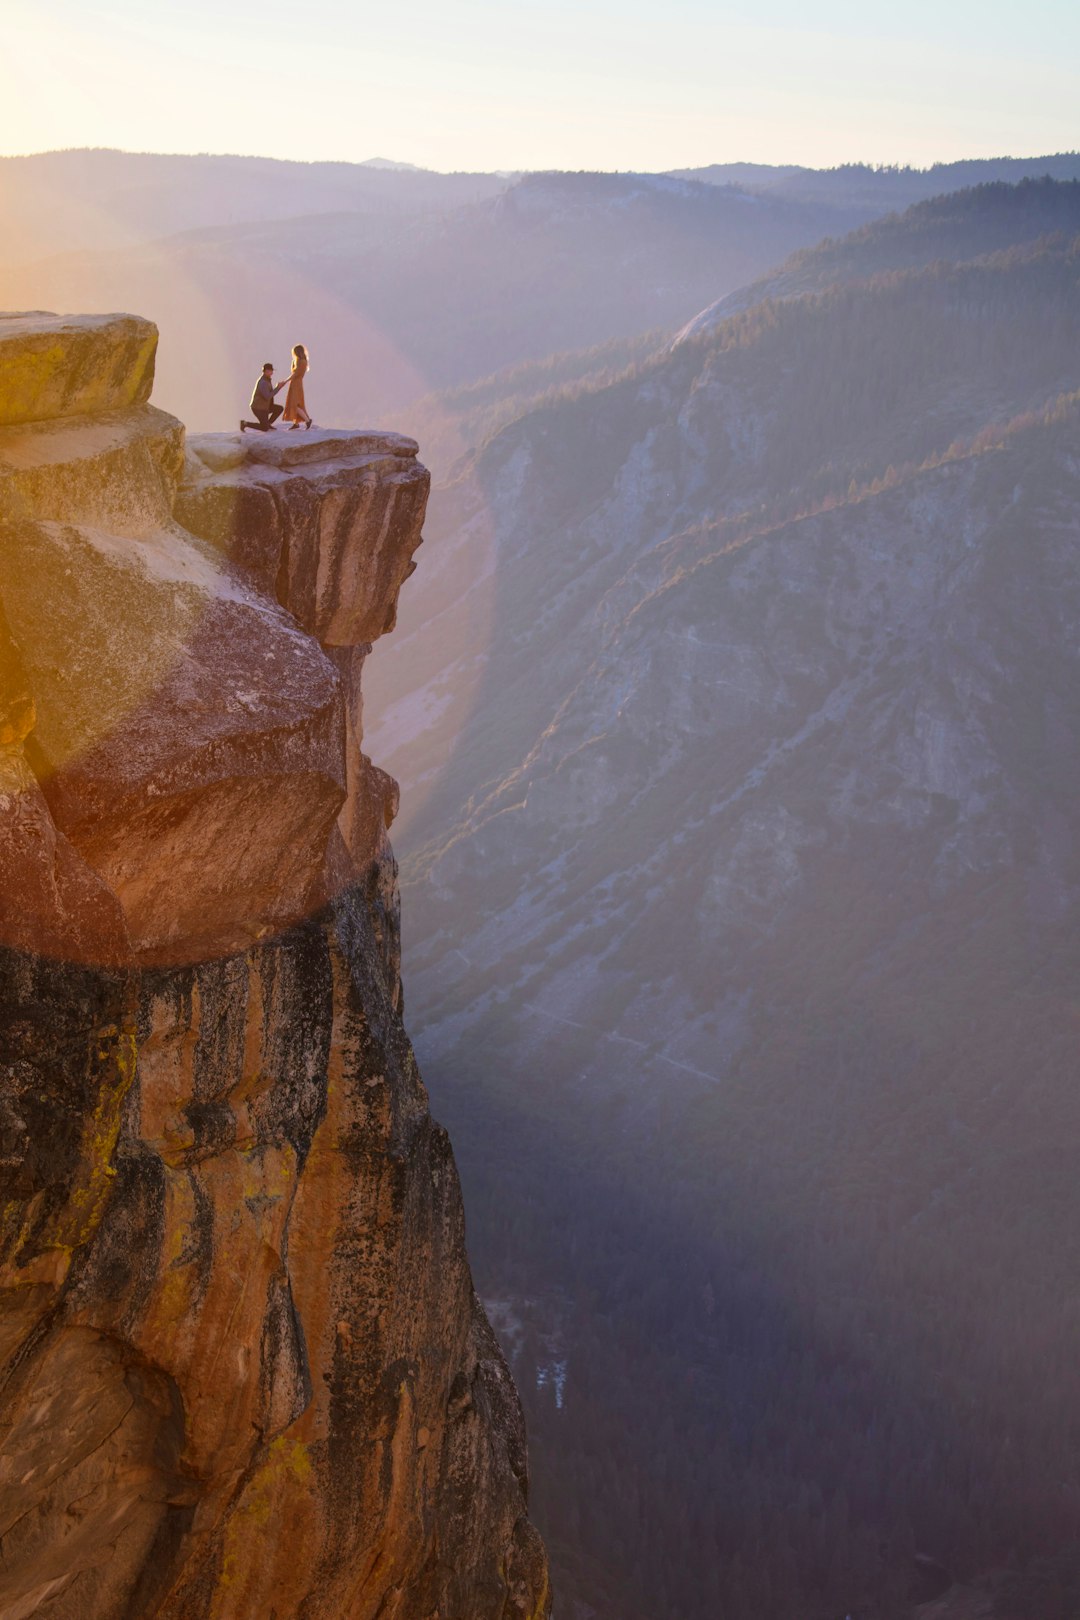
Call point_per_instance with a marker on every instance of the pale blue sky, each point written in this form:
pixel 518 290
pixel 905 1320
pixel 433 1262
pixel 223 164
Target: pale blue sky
pixel 613 84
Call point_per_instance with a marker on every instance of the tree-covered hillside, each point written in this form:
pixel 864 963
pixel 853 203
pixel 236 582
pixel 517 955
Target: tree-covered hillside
pixel 960 225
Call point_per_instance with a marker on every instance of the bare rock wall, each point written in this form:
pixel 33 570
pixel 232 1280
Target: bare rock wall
pixel 243 1370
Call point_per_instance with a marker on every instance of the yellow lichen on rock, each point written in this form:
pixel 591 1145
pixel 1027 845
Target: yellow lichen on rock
pixel 69 1227
pixel 60 365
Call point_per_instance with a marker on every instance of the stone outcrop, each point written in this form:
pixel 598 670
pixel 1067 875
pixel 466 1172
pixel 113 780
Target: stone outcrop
pixel 56 366
pixel 286 511
pixel 244 1371
pixel 189 734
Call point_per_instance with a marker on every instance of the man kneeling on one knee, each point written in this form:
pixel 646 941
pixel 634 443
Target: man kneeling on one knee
pixel 263 408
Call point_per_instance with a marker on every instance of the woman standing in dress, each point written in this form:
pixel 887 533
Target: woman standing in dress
pixel 295 409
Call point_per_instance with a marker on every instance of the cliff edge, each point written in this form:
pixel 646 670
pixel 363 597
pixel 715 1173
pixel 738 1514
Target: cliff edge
pixel 243 1371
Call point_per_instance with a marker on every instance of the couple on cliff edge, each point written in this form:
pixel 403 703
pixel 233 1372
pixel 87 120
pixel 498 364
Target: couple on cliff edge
pixel 263 408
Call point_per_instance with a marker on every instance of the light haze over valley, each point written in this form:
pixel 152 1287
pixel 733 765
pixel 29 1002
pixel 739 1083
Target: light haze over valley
pixel 735 706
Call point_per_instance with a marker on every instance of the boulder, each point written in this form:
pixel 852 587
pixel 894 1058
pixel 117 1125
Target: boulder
pixel 189 737
pixel 73 365
pixel 51 902
pixel 118 471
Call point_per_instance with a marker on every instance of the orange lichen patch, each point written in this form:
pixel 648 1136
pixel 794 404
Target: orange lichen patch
pixel 274 1517
pixel 224 1222
pixel 17 715
pixel 316 1213
pixel 116 1055
pixel 178 1277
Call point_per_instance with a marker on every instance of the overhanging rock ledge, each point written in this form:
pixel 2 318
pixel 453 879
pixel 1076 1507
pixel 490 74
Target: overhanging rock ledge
pixel 244 1371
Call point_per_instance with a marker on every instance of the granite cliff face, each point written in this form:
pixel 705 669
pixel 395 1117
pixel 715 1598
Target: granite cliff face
pixel 244 1369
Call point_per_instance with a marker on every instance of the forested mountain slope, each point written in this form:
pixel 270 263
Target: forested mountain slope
pixel 960 225
pixel 454 421
pixel 775 413
pixel 741 888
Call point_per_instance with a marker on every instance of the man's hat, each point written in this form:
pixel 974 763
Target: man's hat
pixel 268 365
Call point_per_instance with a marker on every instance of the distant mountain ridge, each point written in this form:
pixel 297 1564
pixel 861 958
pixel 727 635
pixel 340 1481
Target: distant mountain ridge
pixel 869 183
pixel 96 199
pixel 396 302
pixel 398 168
pixel 102 200
pixel 414 282
pixel 455 421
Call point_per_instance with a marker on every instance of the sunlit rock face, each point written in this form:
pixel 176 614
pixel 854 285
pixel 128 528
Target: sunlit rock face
pixel 63 366
pixel 287 508
pixel 244 1369
pixel 189 736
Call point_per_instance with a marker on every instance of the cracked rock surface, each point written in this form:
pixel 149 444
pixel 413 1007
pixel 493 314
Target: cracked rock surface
pixel 243 1370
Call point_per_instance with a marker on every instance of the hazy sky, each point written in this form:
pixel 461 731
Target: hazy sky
pixel 612 84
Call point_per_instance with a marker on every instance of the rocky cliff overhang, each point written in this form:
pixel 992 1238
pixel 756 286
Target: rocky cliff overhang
pixel 57 366
pixel 287 510
pixel 243 1370
pixel 189 627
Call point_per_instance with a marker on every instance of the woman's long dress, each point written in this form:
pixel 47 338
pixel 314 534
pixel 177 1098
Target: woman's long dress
pixel 295 408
